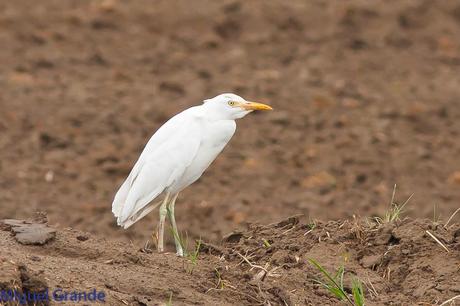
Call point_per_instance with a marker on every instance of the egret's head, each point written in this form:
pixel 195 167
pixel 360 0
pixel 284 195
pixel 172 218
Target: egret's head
pixel 231 106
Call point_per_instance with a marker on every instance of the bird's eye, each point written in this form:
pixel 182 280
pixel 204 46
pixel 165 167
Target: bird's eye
pixel 231 103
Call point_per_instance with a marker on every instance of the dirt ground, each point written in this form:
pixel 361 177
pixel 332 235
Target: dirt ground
pixel 398 263
pixel 366 96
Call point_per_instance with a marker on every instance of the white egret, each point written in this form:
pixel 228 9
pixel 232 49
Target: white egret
pixel 175 157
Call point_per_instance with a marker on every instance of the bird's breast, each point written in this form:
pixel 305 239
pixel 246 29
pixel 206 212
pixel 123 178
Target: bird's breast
pixel 214 137
pixel 217 133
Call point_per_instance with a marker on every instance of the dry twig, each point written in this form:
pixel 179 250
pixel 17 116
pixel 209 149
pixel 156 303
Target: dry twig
pixel 450 300
pixel 451 217
pixel 438 241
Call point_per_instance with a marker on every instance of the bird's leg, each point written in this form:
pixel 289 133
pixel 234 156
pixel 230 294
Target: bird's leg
pixel 161 224
pixel 172 219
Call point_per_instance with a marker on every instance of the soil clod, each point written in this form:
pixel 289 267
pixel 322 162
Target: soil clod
pixel 29 233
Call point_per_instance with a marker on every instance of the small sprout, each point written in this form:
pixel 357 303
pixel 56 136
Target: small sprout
pixel 191 255
pixel 334 284
pixel 169 302
pixel 395 210
pixel 346 256
pixel 311 225
pixel 357 291
pixel 220 283
pixel 266 243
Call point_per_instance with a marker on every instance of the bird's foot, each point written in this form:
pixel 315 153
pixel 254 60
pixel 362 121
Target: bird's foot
pixel 180 252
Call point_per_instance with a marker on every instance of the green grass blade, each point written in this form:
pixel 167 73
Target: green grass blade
pixel 169 302
pixel 339 275
pixel 358 292
pixel 334 287
pixel 335 291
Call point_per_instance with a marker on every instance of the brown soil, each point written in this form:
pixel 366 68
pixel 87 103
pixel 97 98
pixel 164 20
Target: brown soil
pixel 399 264
pixel 366 96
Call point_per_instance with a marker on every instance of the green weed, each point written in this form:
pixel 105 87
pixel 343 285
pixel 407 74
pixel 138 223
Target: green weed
pixel 395 210
pixel 169 302
pixel 334 284
pixel 266 243
pixel 190 255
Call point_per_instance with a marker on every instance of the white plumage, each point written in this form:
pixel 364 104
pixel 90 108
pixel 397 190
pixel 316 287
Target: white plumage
pixel 176 156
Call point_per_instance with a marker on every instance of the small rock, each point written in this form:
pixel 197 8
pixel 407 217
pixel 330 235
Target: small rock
pixel 29 233
pixel 34 234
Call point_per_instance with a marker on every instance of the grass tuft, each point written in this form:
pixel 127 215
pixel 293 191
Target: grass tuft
pixel 357 291
pixel 193 255
pixel 190 255
pixel 266 243
pixel 395 210
pixel 169 302
pixel 334 284
pixel 220 282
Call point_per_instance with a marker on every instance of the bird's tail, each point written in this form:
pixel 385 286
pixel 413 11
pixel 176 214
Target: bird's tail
pixel 138 215
pixel 120 198
pixel 119 202
pixel 122 206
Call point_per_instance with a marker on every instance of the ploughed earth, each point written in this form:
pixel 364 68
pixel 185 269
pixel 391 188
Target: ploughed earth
pixel 366 96
pixel 408 262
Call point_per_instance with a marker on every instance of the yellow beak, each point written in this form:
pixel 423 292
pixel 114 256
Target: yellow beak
pixel 254 106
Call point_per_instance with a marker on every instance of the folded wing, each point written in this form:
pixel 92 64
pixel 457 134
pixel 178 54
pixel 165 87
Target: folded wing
pixel 166 156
